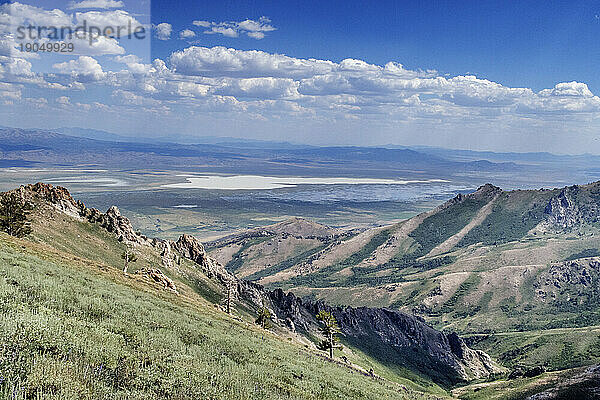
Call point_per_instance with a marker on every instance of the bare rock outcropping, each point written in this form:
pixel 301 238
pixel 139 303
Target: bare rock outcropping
pixel 60 198
pixel 157 276
pixel 562 211
pixel 574 206
pixel 393 333
pixel 56 196
pixel 191 248
pixel 565 281
pixel 115 223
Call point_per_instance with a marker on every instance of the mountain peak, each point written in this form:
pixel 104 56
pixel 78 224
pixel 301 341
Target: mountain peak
pixel 487 188
pixel 297 226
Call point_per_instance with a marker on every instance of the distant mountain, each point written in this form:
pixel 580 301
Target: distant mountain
pixel 177 139
pixel 531 157
pixel 253 157
pixel 94 134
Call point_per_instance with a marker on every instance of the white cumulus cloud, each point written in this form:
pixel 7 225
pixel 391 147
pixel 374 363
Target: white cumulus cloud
pixel 255 29
pixel 187 34
pixel 163 31
pixel 222 61
pixel 103 4
pixel 84 69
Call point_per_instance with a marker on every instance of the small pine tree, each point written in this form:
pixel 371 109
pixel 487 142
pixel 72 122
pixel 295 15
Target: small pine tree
pixel 264 317
pixel 128 256
pixel 13 215
pixel 330 330
pixel 229 298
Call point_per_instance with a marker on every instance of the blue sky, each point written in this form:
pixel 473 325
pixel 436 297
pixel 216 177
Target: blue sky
pixel 488 75
pixel 517 43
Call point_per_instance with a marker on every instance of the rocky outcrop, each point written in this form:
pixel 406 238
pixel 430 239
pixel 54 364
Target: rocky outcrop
pixel 114 223
pixel 157 276
pixel 60 198
pixel 572 207
pixel 584 385
pixel 56 196
pixel 119 225
pixel 446 358
pixel 564 282
pixel 562 210
pixel 191 248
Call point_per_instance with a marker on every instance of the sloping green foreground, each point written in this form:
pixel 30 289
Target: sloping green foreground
pixel 72 329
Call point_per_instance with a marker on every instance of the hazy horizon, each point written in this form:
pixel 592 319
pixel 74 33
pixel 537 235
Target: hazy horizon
pixel 466 76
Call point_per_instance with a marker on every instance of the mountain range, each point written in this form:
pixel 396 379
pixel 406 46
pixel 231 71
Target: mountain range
pixel 507 269
pixel 51 148
pixel 133 328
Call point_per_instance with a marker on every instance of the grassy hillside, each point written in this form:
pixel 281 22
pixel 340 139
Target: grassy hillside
pixel 76 329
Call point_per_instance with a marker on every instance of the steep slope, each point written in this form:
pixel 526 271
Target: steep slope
pixel 348 258
pixel 71 329
pixel 275 246
pixel 184 268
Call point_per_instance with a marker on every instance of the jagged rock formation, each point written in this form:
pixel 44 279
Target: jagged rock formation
pixel 562 210
pixel 191 248
pixel 58 197
pixel 416 344
pixel 157 276
pixel 573 207
pixel 115 223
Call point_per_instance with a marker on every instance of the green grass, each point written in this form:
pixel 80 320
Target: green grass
pixel 555 349
pixel 290 262
pixel 74 330
pixel 517 389
pixel 440 226
pixel 451 304
pixel 323 277
pixel 237 260
pixel 397 271
pixel 513 215
pixel 583 254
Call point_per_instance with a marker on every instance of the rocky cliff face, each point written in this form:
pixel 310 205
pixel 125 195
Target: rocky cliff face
pixel 562 211
pixel 573 206
pixel 384 332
